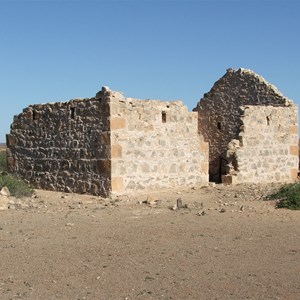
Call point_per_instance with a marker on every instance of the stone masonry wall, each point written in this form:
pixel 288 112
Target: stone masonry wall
pixel 155 145
pixel 63 146
pixel 219 113
pixel 267 149
pixel 108 144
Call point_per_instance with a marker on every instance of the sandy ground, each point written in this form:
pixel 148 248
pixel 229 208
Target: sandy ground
pixel 227 244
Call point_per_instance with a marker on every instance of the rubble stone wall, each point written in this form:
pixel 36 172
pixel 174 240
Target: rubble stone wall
pixel 155 145
pixel 219 111
pixel 267 149
pixel 63 146
pixel 108 144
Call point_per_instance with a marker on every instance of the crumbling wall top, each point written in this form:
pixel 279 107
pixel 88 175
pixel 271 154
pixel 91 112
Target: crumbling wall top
pixel 248 87
pixel 107 92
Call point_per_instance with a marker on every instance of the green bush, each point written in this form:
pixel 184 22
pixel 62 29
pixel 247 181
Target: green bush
pixel 3 166
pixel 288 196
pixel 16 186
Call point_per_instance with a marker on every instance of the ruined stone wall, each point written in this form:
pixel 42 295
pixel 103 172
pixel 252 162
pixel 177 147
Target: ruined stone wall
pixel 63 146
pixel 219 115
pixel 155 145
pixel 108 144
pixel 267 148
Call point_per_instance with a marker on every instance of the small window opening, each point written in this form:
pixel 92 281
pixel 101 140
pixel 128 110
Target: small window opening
pixel 72 112
pixel 219 125
pixel 268 121
pixel 34 115
pixel 164 117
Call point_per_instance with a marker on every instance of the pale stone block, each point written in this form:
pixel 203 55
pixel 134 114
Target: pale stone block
pixel 117 123
pixel 117 184
pixel 294 174
pixel 204 146
pixel 204 167
pixel 294 129
pixel 116 151
pixel 294 150
pixel 150 127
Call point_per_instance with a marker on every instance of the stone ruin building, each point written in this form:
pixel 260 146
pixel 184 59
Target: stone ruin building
pixel 108 144
pixel 244 130
pixel 251 128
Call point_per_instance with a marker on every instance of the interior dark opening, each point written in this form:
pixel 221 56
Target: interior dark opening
pixel 164 117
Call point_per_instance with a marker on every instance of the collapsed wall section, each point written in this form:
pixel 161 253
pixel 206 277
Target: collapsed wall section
pixel 63 146
pixel 219 111
pixel 267 148
pixel 155 145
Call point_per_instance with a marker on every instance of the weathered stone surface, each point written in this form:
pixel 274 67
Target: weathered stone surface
pixel 157 146
pixel 111 144
pixel 267 143
pixel 108 144
pixel 266 150
pixel 63 146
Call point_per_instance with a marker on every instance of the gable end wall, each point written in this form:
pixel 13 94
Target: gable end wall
pixel 219 111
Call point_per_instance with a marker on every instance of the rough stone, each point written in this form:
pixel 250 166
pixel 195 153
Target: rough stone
pixel 4 202
pixel 5 191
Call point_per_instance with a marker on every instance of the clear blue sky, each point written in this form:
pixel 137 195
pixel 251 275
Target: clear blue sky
pixel 59 50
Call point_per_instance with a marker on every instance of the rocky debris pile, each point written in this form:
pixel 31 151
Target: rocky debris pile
pixel 151 201
pixel 9 202
pixel 199 200
pixel 58 202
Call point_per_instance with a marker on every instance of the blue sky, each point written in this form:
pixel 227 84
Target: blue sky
pixel 58 50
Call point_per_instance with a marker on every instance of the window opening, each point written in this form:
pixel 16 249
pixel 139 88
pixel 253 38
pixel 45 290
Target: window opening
pixel 72 112
pixel 268 121
pixel 219 125
pixel 34 115
pixel 164 117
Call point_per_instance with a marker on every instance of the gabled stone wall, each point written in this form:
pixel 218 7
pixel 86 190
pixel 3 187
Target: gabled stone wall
pixel 219 112
pixel 267 148
pixel 63 146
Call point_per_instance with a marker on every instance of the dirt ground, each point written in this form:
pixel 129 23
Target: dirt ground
pixel 226 244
